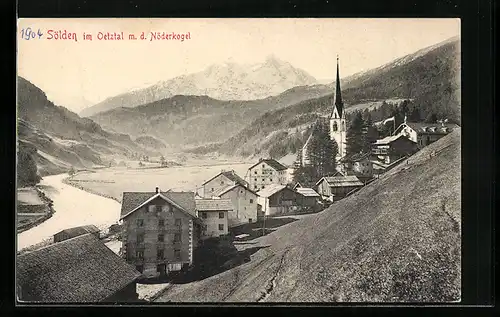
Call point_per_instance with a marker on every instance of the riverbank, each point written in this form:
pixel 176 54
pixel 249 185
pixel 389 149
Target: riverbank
pixel 27 214
pixel 70 181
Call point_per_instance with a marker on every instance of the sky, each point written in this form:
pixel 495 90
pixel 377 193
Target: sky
pixel 76 74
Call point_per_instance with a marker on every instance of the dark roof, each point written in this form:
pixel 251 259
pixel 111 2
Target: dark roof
pixel 342 181
pixel 356 157
pixel 339 104
pixel 81 269
pixel 78 231
pixel 271 162
pixel 214 204
pixel 231 175
pixel 230 187
pixel 132 200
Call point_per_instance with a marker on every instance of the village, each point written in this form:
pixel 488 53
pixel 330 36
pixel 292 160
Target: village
pixel 165 234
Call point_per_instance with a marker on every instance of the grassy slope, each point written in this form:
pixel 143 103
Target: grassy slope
pixel 397 239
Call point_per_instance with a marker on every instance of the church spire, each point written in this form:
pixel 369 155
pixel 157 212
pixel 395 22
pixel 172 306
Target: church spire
pixel 338 93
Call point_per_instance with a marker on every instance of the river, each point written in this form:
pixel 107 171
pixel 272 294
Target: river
pixel 73 207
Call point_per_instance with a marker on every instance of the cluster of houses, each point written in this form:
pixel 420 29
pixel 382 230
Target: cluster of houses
pixel 162 229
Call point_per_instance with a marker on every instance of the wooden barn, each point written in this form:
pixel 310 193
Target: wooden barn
pixel 392 148
pixel 337 187
pixel 77 270
pixel 308 196
pixel 75 232
pixel 278 199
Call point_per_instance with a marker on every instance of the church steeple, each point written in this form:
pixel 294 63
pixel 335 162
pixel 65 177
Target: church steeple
pixel 338 93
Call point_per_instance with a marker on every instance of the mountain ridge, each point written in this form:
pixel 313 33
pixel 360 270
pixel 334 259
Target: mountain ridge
pixel 226 81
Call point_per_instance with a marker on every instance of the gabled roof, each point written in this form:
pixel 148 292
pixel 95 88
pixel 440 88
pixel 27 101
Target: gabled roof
pixel 232 176
pixel 307 192
pixel 81 269
pixel 231 187
pixel 341 181
pixel 78 231
pixel 390 139
pixel 424 128
pixel 214 205
pixel 271 162
pixel 132 201
pixel 270 190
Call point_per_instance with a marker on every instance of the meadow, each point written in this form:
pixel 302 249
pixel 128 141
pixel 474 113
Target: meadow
pixel 112 182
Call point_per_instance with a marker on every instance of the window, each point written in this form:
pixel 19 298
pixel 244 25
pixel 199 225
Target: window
pixel 139 255
pixel 263 179
pixel 251 201
pixel 334 126
pixel 250 220
pixel 177 237
pixel 212 189
pixel 151 208
pixel 160 254
pixel 262 186
pixel 161 222
pixel 222 182
pixel 203 215
pixel 256 179
pixel 178 222
pixel 140 238
pixel 221 215
pixel 165 208
pixel 139 268
pixel 255 186
pixel 158 208
pixel 161 237
pixel 140 222
pixel 177 254
pixel 263 165
pixel 270 179
pixel 221 226
pixel 255 172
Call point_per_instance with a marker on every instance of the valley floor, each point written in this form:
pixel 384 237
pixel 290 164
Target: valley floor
pixel 112 182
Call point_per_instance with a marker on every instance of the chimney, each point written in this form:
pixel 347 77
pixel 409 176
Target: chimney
pixel 157 190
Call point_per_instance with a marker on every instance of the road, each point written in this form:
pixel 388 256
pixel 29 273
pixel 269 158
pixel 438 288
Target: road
pixel 73 207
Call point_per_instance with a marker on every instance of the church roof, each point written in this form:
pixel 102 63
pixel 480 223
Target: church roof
pixel 339 104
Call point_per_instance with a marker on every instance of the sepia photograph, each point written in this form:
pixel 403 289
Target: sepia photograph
pixel 250 160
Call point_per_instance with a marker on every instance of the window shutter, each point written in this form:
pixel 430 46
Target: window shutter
pixel 164 208
pixel 151 208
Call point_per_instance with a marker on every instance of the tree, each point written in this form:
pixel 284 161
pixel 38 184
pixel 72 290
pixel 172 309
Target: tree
pixel 355 137
pixel 322 150
pixel 163 162
pixel 415 115
pixel 27 173
pixel 431 118
pixel 306 175
pixel 370 134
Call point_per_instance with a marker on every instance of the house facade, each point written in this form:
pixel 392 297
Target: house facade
pixel 278 199
pixel 214 214
pixel 392 148
pixel 161 231
pixel 244 203
pixel 337 187
pixel 267 172
pixel 424 134
pixel 359 165
pixel 221 181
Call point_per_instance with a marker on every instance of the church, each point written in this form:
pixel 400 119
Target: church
pixel 338 127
